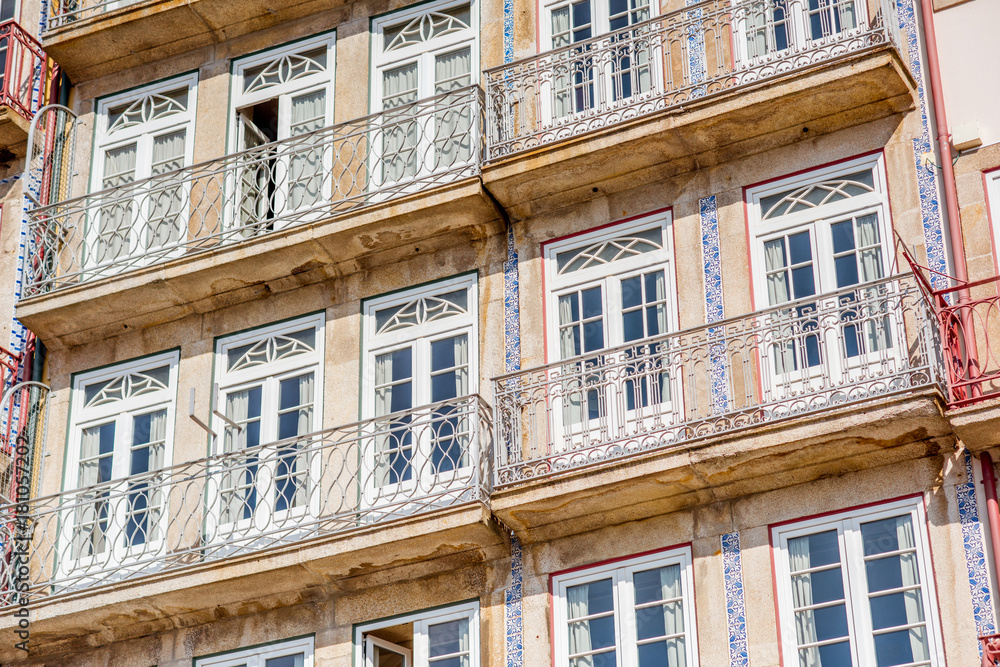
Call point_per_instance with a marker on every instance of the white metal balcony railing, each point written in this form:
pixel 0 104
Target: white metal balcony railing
pixel 666 393
pixel 65 12
pixel 230 200
pixel 250 501
pixel 688 55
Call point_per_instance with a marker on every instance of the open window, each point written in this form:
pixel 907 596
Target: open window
pixel 447 637
pixel 282 98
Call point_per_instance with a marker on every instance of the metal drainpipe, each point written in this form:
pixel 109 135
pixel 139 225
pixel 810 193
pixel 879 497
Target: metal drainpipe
pixel 950 190
pixel 992 510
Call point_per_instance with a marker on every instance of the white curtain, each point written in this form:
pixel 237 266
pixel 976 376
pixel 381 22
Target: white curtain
pixel 756 29
pixel 561 83
pixel 673 614
pixel 571 387
pixel 660 288
pixel 848 18
pixel 579 633
pixel 400 135
pixel 165 220
pixel 237 409
pixel 390 437
pixel 116 219
pixel 89 449
pixel 306 166
pixel 453 120
pixel 154 494
pixel 778 289
pixel 911 599
pixel 805 621
pixel 871 256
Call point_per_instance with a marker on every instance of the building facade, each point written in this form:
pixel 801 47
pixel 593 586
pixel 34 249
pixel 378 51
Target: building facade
pixel 491 333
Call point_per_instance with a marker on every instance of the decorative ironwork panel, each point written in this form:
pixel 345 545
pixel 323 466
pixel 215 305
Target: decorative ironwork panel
pixel 705 49
pixel 312 177
pixel 858 344
pixel 253 500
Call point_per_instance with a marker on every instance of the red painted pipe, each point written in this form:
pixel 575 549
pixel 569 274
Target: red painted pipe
pixel 950 190
pixel 992 510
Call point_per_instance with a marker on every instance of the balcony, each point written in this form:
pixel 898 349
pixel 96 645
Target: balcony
pixel 26 82
pixel 989 645
pixel 197 234
pixel 99 37
pixel 278 519
pixel 712 82
pixel 776 397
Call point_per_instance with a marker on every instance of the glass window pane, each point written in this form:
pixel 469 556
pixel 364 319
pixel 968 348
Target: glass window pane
pixel 799 248
pixel 448 638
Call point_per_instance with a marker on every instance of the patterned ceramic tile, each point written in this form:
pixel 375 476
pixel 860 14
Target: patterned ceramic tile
pixel 696 49
pixel 736 617
pixel 513 621
pixel 975 552
pixel 714 311
pixel 927 182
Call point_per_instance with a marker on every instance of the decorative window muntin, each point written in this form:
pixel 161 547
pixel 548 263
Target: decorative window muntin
pixel 814 195
pixel 634 612
pixel 409 363
pixel 858 587
pixel 119 440
pixel 420 53
pixel 284 93
pixel 613 271
pixel 143 133
pixel 270 385
pixel 445 637
pixel 291 653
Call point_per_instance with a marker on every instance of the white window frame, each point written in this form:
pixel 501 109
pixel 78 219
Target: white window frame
pixel 143 136
pixel 419 338
pixel 621 572
pixel 256 657
pixel 609 277
pixel 268 376
pixel 797 30
pixel 122 414
pixel 421 621
pixel 603 79
pixel 991 180
pixel 283 92
pixel 847 524
pixel 818 222
pixel 423 54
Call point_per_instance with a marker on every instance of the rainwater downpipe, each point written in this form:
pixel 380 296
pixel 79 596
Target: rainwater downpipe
pixel 992 510
pixel 950 190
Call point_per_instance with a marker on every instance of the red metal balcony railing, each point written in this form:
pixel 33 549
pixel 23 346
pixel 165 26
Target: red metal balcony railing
pixel 28 75
pixel 991 650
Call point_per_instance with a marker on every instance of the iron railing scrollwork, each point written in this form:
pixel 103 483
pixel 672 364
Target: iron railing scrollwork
pixel 705 49
pixel 28 75
pixel 803 357
pixel 312 177
pixel 255 500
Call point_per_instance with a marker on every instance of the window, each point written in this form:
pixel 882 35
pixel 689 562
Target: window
pixel 421 352
pixel 8 10
pixel 855 588
pixel 992 181
pixel 447 637
pixel 419 55
pixel 767 29
pixel 294 653
pixel 142 134
pixel 636 612
pixel 285 95
pixel 270 396
pixel 607 291
pixel 582 78
pixel 120 439
pixel 820 233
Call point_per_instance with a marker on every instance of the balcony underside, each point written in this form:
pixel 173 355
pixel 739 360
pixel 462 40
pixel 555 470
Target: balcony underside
pixel 798 451
pixel 712 131
pixel 303 254
pixel 446 540
pixel 13 132
pixel 99 43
